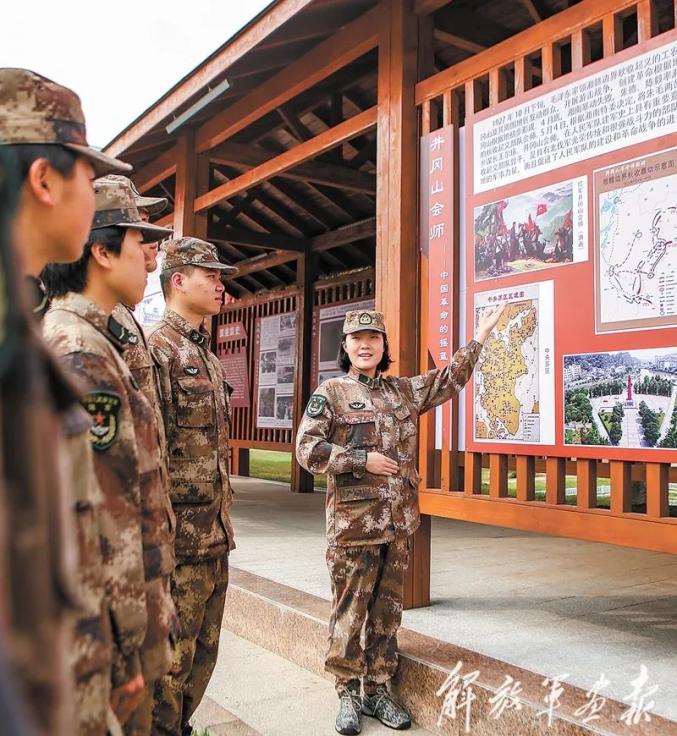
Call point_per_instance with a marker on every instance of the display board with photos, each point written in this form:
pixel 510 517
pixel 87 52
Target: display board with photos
pixel 276 358
pixel 571 222
pixel 327 331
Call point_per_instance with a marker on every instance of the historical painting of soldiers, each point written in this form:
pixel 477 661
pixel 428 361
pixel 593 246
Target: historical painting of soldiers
pixel 531 231
pixel 625 399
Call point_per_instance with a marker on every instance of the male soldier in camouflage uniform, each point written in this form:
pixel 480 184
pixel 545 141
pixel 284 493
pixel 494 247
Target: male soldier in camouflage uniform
pixel 12 713
pixel 196 409
pixel 158 521
pixel 42 126
pixel 361 429
pixel 123 432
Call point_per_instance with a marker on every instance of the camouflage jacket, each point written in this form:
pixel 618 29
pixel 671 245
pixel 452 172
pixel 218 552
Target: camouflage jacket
pixel 157 513
pixel 126 459
pixel 196 410
pixel 348 417
pixel 92 650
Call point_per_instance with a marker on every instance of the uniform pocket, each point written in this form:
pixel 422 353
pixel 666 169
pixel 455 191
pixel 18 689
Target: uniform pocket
pixel 194 402
pixel 405 421
pixel 361 429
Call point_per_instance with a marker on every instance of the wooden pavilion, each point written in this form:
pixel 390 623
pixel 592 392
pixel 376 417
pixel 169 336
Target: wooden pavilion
pixel 295 148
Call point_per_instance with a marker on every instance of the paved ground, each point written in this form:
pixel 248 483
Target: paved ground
pixel 547 604
pixel 253 691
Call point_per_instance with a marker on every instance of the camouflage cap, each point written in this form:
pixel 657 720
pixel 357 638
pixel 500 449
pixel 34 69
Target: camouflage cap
pixel 358 320
pixel 35 110
pixel 115 206
pixel 152 205
pixel 189 251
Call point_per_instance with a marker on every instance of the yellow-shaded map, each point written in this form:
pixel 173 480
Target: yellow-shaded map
pixel 507 375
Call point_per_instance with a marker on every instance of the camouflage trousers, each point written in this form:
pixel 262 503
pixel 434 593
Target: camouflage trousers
pixel 199 593
pixel 93 714
pixel 366 584
pixel 156 651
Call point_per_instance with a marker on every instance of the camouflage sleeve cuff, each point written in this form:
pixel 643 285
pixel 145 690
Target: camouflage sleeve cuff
pixel 475 347
pixel 359 463
pixel 125 666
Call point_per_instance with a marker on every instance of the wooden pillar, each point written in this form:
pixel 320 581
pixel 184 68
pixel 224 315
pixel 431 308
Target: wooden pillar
pixel 586 483
pixel 240 461
pixel 657 484
pixel 301 481
pixel 525 466
pixel 621 486
pixel 192 180
pixel 498 475
pixel 397 257
pixel 555 480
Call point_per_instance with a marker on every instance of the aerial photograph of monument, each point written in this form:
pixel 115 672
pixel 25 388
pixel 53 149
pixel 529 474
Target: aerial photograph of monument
pixel 625 399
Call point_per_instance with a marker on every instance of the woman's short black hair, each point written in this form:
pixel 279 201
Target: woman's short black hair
pixel 59 157
pixel 60 278
pixel 385 362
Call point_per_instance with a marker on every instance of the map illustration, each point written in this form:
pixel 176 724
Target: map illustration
pixel 512 371
pixel 637 254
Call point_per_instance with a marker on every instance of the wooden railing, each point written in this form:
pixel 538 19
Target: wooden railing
pixel 503 489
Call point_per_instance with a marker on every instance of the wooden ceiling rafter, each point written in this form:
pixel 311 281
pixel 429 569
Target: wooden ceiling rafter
pixel 330 174
pixel 301 153
pixel 347 45
pixel 279 211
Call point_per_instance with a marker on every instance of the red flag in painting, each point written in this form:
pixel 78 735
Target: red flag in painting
pixel 568 220
pixel 541 209
pixel 500 206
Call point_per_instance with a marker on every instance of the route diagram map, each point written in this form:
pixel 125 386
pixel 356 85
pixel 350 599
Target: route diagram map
pixel 637 252
pixel 514 367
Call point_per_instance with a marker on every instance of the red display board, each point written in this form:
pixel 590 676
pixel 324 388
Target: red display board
pixel 571 221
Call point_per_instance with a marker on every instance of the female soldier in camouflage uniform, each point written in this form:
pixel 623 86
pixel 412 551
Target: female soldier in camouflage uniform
pixel 361 429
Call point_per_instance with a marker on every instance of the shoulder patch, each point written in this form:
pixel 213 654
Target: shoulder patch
pixel 316 405
pixel 104 408
pixel 357 405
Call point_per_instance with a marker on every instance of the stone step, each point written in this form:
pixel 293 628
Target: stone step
pixel 254 692
pixel 293 625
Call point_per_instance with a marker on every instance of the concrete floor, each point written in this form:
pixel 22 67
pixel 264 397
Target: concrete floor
pixel 551 605
pixel 256 693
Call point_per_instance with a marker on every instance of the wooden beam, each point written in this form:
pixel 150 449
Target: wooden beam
pixel 450 39
pixel 260 263
pixel 319 172
pixel 535 14
pixel 348 44
pixel 287 160
pixel 597 525
pixel 347 234
pixel 425 7
pixel 156 171
pixel 274 241
pixel 294 123
pixel 253 34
